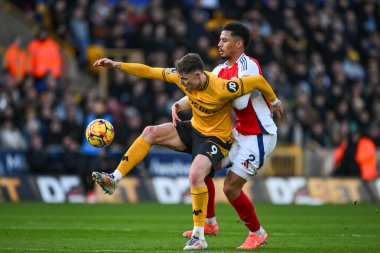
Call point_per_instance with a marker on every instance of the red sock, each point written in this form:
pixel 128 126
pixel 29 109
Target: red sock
pixel 211 197
pixel 246 212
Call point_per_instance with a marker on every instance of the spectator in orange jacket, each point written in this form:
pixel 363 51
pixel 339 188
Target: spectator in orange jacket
pixel 45 57
pixel 356 157
pixel 16 60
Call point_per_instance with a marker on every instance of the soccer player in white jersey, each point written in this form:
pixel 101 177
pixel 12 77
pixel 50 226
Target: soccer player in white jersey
pixel 255 135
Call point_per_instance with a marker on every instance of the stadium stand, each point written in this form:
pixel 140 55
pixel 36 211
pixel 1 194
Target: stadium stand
pixel 321 57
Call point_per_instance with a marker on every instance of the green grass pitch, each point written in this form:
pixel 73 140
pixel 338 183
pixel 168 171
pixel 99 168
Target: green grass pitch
pixel 152 227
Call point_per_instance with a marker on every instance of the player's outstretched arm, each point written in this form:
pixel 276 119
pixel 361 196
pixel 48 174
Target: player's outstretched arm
pixel 135 69
pixel 107 63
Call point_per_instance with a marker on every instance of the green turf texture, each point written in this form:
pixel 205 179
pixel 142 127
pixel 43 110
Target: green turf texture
pixel 152 227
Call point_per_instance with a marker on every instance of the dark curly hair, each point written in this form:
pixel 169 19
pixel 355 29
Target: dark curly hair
pixel 239 30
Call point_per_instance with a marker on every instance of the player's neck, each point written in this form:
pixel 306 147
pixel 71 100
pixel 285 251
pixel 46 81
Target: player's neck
pixel 204 80
pixel 233 59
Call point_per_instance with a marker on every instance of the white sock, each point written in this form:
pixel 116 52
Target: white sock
pixel 199 232
pixel 258 232
pixel 117 175
pixel 211 221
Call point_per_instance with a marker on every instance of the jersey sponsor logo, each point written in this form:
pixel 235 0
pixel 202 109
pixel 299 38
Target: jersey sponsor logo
pixel 232 87
pixel 201 108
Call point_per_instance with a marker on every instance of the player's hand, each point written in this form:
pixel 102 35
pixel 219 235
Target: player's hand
pixel 175 110
pixel 105 62
pixel 277 109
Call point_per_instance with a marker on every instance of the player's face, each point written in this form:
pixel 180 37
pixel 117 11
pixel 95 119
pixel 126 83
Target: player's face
pixel 190 81
pixel 227 45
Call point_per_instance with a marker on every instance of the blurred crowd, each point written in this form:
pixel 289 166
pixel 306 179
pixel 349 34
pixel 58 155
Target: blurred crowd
pixel 320 56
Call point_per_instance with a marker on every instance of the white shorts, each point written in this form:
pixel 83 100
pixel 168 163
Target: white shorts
pixel 248 153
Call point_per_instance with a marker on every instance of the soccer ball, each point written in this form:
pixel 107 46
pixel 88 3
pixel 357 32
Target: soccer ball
pixel 100 133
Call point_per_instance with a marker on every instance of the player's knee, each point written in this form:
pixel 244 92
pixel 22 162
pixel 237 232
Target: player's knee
pixel 150 133
pixel 196 179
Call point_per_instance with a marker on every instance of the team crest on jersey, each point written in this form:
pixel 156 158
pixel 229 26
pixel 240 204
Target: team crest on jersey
pixel 232 87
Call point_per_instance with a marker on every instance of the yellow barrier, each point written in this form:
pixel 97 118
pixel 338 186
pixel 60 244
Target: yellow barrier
pixel 284 161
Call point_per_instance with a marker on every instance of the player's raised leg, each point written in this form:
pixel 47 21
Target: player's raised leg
pixel 164 135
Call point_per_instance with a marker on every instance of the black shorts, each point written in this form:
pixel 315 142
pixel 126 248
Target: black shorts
pixel 197 143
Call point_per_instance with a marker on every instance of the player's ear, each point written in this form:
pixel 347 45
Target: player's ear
pixel 239 43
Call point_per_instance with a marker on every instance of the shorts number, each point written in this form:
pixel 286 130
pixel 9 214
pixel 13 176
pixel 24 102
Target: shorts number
pixel 251 158
pixel 214 149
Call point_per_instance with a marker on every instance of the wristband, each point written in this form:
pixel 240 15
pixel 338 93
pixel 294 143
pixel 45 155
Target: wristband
pixel 275 101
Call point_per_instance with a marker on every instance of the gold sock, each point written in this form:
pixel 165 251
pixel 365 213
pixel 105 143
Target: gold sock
pixel 199 198
pixel 135 154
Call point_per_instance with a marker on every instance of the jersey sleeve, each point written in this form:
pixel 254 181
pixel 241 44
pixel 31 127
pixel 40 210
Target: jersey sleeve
pixel 252 69
pixel 249 83
pixel 145 71
pixel 241 102
pixel 240 86
pixel 170 75
pixel 230 89
pixel 247 67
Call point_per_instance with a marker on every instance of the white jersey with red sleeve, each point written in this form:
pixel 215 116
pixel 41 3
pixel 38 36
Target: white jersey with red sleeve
pixel 252 110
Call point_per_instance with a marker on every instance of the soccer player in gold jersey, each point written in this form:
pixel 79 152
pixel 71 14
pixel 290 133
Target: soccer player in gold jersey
pixel 255 136
pixel 207 136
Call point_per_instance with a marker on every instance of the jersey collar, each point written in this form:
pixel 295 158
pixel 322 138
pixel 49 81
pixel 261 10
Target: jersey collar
pixel 207 81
